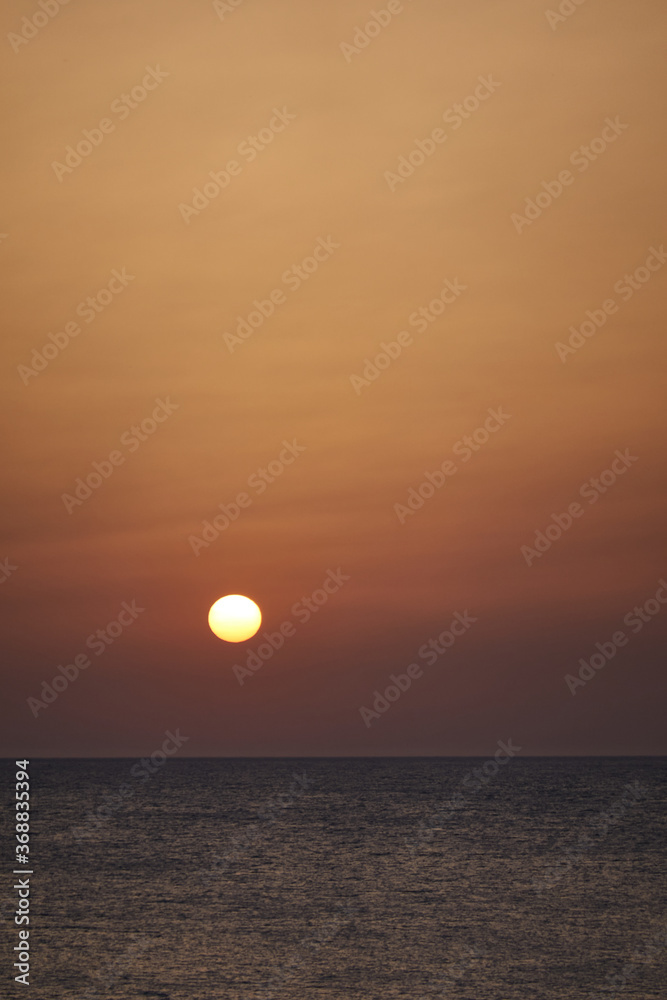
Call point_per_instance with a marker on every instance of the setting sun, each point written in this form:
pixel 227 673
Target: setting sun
pixel 234 618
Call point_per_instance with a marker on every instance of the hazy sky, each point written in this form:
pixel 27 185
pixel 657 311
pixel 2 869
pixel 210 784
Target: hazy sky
pixel 317 145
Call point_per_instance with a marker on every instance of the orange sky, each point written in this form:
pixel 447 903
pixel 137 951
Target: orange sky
pixel 324 175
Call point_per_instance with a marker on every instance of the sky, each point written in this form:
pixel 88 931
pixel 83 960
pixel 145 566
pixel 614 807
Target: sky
pixel 470 195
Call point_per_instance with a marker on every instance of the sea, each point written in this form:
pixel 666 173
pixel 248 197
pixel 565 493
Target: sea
pixel 343 879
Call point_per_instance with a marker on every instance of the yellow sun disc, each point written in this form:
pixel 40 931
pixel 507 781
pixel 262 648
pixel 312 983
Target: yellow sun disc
pixel 234 618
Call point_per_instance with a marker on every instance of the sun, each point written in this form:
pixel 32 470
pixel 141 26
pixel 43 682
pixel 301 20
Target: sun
pixel 234 618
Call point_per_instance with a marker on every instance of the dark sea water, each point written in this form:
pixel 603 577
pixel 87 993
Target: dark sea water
pixel 349 878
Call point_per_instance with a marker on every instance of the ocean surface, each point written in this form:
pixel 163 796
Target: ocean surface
pixel 321 879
